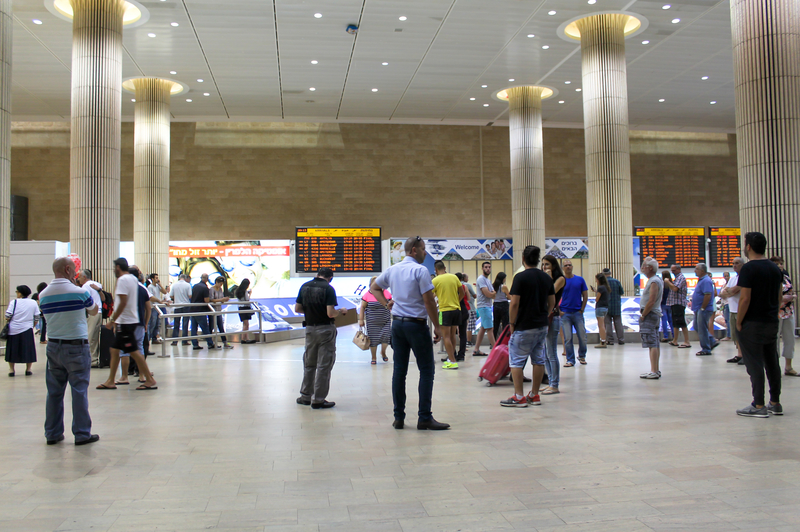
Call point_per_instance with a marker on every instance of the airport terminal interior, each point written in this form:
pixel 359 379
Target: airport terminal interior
pixel 256 141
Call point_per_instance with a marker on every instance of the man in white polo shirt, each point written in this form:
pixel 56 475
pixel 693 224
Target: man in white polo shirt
pixel 68 358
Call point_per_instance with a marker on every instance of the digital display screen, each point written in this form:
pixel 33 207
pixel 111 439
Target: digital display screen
pixel 684 246
pixel 725 245
pixel 342 249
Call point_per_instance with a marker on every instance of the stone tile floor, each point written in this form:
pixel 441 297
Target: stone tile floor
pixel 222 445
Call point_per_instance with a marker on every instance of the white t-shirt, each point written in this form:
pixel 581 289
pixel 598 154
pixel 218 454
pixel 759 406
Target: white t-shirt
pixel 733 301
pixel 94 293
pixel 23 315
pixel 127 285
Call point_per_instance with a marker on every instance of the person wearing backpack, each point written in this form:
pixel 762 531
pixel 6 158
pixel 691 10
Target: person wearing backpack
pixel 94 322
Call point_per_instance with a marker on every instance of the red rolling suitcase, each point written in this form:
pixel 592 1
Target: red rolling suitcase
pixel 496 365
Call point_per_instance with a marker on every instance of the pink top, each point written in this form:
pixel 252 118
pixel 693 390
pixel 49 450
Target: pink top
pixel 369 298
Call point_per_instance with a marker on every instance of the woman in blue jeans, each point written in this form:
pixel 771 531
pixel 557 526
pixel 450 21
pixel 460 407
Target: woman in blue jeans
pixel 551 365
pixel 666 311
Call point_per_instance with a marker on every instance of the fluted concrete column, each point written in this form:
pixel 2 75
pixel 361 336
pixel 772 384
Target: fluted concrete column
pixel 95 135
pixel 766 60
pixel 608 165
pixel 527 172
pixel 151 175
pixel 6 26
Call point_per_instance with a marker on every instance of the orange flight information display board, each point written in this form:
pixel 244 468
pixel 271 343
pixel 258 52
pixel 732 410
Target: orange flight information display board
pixel 725 245
pixel 684 246
pixel 342 249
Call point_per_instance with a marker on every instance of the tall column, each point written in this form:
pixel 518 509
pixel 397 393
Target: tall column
pixel 766 61
pixel 95 136
pixel 151 175
pixel 6 26
pixel 608 164
pixel 527 172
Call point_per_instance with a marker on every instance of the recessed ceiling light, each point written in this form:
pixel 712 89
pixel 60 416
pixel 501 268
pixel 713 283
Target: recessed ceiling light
pixel 545 47
pixel 314 62
pixel 676 20
pixel 661 100
pixel 189 100
pixel 667 6
pixel 206 94
pixel 592 2
pixel 133 100
pixel 551 13
pixel 645 42
pixel 151 35
pixel 403 18
pixel 199 80
pixel 374 90
pixel 577 90
pixel 567 82
pixel 531 36
pixel 486 105
pixel 317 15
pixel 560 101
pixel 484 86
pixel 472 99
pixel 511 79
pixel 174 24
pixel 37 21
pixel 713 103
pixel 385 63
pixel 312 89
pixel 704 78
pixel 172 72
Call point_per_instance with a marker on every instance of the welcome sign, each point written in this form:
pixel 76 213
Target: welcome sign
pixel 464 249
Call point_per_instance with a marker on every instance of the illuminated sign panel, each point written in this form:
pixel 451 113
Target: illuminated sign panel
pixel 342 249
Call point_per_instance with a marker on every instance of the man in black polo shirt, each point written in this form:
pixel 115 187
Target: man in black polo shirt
pixel 317 300
pixel 200 294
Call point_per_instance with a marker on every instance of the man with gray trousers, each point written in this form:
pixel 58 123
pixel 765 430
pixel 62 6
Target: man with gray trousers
pixel 317 300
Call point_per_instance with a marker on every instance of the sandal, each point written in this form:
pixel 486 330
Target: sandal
pixel 582 361
pixel 373 362
pixel 791 373
pixel 684 346
pixel 385 358
pixel 550 391
pixel 673 344
pixel 569 365
pixel 104 387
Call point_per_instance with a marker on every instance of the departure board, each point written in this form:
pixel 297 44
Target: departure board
pixel 342 249
pixel 725 245
pixel 684 246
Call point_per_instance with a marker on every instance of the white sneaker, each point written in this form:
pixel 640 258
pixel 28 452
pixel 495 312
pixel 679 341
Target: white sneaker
pixel 650 375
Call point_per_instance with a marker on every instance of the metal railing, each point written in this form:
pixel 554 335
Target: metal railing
pixel 211 312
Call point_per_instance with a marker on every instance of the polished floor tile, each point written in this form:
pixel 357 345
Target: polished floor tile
pixel 222 445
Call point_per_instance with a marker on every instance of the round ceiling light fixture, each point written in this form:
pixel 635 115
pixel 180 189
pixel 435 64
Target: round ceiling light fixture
pixel 547 92
pixel 134 16
pixel 177 86
pixel 634 25
pixel 317 15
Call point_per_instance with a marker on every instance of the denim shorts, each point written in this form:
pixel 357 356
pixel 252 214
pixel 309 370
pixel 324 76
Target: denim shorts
pixel 485 314
pixel 600 312
pixel 528 343
pixel 648 328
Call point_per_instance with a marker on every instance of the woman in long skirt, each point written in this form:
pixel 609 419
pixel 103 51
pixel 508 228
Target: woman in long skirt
pixel 21 314
pixel 378 320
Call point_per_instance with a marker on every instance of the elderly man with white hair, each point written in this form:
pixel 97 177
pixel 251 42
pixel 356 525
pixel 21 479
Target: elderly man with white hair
pixel 650 307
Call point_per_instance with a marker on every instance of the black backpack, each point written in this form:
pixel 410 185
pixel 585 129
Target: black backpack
pixel 108 304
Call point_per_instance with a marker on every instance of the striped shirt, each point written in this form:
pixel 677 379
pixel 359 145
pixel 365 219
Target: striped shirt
pixel 64 306
pixel 679 297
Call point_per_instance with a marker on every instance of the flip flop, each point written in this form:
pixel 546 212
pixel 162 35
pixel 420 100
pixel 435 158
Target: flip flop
pixel 385 358
pixel 792 374
pixel 673 344
pixel 684 346
pixel 104 387
pixel 569 365
pixel 550 391
pixel 373 362
pixel 122 383
pixel 582 361
pixel 143 387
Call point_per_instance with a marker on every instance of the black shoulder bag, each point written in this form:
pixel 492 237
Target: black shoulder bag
pixel 4 332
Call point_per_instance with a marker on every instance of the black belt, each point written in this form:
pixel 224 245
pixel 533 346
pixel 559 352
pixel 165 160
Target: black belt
pixel 415 320
pixel 68 342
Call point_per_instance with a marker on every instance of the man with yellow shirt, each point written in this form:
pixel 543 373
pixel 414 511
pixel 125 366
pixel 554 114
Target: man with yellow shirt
pixel 448 291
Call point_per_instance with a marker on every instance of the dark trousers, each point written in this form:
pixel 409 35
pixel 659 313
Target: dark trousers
pixel 500 316
pixel 220 326
pixel 43 335
pixel 410 336
pixel 759 343
pixel 462 334
pixel 202 323
pixel 616 321
pixel 177 329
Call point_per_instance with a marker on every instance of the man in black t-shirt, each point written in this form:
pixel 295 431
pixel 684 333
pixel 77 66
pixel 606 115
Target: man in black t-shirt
pixel 761 284
pixel 532 299
pixel 317 300
pixel 200 294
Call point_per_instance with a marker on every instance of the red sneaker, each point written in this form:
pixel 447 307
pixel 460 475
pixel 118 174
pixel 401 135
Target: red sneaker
pixel 533 399
pixel 514 402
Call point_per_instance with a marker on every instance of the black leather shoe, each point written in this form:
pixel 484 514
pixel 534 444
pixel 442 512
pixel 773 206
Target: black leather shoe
pixel 53 442
pixel 303 401
pixel 93 438
pixel 323 404
pixel 431 424
pixel 398 424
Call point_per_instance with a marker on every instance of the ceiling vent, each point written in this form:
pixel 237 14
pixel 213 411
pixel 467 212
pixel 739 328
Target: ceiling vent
pixel 398 30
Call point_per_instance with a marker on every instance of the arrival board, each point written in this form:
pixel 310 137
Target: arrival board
pixel 342 249
pixel 684 246
pixel 725 245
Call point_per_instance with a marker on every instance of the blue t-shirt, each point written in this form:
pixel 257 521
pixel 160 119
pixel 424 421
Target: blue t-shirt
pixel 572 296
pixel 704 286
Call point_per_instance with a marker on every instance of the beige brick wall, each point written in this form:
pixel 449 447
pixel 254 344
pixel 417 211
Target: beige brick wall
pixel 246 181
